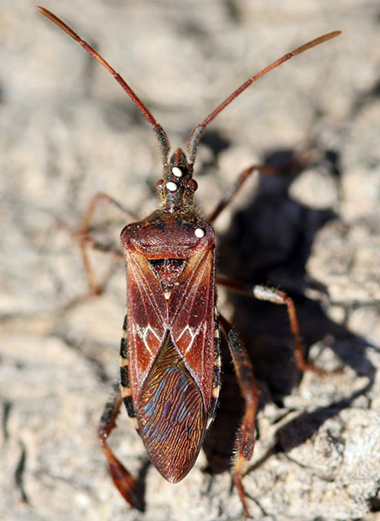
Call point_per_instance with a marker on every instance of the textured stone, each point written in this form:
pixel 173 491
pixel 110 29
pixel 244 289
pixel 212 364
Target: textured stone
pixel 68 131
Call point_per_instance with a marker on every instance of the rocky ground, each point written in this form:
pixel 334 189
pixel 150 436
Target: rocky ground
pixel 67 131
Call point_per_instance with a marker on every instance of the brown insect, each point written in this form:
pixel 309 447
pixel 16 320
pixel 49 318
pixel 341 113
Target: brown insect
pixel 170 350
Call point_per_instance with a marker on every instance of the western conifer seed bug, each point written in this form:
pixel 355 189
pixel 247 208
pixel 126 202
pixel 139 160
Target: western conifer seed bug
pixel 170 351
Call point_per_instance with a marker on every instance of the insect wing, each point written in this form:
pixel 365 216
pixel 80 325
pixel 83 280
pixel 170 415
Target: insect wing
pixel 171 356
pixel 172 418
pixel 146 318
pixel 192 312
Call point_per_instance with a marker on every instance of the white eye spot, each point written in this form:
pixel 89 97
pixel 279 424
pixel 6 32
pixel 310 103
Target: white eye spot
pixel 177 171
pixel 171 186
pixel 199 233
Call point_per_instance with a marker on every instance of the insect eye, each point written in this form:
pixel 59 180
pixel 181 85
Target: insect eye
pixel 192 184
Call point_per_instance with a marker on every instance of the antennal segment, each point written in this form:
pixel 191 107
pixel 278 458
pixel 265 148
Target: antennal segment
pixel 160 132
pixel 197 133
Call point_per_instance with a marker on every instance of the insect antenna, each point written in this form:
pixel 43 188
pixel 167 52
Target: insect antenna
pixel 160 132
pixel 197 133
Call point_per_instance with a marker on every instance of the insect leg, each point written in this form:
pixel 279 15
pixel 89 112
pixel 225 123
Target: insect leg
pixel 294 164
pixel 245 438
pixel 123 480
pixel 246 174
pixel 276 297
pixel 86 241
pixel 106 199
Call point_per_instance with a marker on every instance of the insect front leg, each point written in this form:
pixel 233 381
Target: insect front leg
pixel 276 297
pixel 245 438
pixel 295 164
pixel 122 478
pixel 87 242
pixel 246 174
pixel 104 199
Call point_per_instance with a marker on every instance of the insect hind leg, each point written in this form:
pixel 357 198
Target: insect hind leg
pixel 122 478
pixel 245 438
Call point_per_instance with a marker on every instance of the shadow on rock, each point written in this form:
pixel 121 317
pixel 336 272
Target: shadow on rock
pixel 269 243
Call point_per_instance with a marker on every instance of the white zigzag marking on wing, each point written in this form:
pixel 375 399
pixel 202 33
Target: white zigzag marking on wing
pixel 193 334
pixel 143 334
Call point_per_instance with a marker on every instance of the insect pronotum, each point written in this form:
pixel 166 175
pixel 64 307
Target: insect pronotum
pixel 170 350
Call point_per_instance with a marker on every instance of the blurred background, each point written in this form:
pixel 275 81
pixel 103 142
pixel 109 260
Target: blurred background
pixel 67 131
